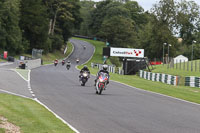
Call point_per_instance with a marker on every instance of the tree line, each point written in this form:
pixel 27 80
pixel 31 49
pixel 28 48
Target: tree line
pixel 124 23
pixel 40 24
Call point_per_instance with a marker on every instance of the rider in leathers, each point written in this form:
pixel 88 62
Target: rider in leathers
pixel 104 70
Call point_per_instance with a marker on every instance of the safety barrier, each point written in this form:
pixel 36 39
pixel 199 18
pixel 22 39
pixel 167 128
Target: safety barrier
pixel 160 77
pixel 30 64
pixel 111 68
pixel 192 81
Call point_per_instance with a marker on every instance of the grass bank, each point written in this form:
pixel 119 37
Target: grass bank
pixel 30 116
pixel 49 58
pixel 182 92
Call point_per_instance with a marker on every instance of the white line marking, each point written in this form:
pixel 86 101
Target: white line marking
pixel 71 51
pixel 15 94
pixel 20 75
pixel 157 93
pixel 35 99
pixel 75 130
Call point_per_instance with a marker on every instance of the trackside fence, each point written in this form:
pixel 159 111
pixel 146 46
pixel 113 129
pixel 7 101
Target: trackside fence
pixel 160 77
pixel 111 68
pixel 192 81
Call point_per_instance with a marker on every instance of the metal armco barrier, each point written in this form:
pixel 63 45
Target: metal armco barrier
pixel 99 66
pixel 192 81
pixel 160 77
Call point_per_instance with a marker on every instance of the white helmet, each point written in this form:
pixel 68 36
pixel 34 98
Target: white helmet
pixel 105 67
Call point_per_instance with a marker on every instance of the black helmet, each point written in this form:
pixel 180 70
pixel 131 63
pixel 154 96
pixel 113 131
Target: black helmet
pixel 105 67
pixel 85 67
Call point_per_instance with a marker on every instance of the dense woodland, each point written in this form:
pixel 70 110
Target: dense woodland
pixel 48 24
pixel 40 24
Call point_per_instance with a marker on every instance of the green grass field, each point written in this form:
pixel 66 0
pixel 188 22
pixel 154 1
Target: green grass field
pixel 182 92
pixel 30 116
pixel 179 69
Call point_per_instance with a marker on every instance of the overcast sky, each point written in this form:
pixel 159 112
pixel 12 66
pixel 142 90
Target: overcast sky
pixel 147 4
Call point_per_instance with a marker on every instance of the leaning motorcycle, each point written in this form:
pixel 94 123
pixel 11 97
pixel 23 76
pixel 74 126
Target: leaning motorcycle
pixel 101 83
pixel 84 78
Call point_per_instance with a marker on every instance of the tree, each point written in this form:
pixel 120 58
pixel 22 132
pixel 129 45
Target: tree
pixel 188 19
pixel 34 22
pixel 86 8
pixel 165 12
pixel 64 16
pixel 98 15
pixel 10 33
pixel 152 37
pixel 119 31
pixel 137 13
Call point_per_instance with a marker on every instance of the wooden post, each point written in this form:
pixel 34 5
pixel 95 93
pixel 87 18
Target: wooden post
pixel 184 65
pixel 180 65
pixel 188 66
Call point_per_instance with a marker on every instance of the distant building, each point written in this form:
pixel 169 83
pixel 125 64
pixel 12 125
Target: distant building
pixel 180 58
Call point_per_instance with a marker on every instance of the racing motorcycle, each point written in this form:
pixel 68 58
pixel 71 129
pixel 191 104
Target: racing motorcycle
pixel 68 66
pixel 77 60
pixel 63 62
pixel 84 77
pixel 55 62
pixel 101 83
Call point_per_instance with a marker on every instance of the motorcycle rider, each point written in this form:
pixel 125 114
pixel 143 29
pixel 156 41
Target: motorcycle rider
pixel 68 64
pixel 63 62
pixel 56 62
pixel 84 69
pixel 77 60
pixel 103 70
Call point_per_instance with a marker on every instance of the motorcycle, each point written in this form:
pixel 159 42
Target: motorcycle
pixel 55 63
pixel 84 78
pixel 68 66
pixel 77 61
pixel 84 47
pixel 101 83
pixel 63 62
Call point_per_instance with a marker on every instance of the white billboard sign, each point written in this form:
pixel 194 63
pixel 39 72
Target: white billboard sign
pixel 127 52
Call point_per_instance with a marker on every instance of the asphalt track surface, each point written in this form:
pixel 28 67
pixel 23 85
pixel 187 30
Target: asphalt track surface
pixel 11 82
pixel 120 109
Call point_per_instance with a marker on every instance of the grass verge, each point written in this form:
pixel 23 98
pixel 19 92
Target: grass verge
pixel 30 116
pixel 182 92
pixel 1 60
pixel 49 58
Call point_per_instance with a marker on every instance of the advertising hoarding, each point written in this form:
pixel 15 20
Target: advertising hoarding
pixel 127 52
pixel 5 54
